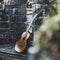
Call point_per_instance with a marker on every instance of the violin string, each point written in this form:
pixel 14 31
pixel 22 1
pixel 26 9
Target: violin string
pixel 32 21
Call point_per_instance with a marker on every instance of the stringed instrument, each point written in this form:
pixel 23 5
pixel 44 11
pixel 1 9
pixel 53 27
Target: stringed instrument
pixel 22 42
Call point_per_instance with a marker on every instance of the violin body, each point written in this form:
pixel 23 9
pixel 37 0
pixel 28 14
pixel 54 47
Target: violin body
pixel 22 43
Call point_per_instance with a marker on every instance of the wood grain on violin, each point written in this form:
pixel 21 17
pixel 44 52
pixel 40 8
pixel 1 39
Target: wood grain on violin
pixel 22 43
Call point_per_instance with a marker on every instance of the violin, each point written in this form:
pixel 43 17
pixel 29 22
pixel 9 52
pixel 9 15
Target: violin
pixel 22 42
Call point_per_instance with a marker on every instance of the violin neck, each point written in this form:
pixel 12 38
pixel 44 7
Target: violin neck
pixel 31 22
